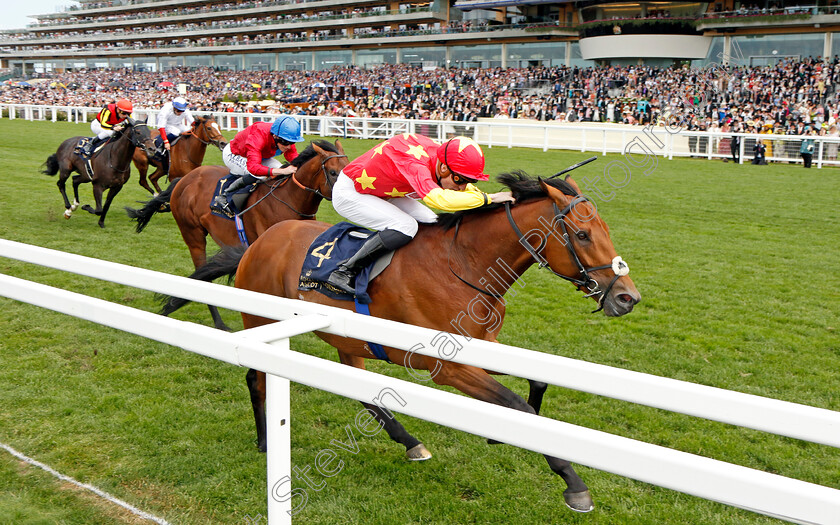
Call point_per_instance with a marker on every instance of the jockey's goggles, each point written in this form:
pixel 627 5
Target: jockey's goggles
pixel 461 179
pixel 282 142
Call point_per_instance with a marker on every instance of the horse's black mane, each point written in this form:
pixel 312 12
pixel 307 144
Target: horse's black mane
pixel 309 153
pixel 520 184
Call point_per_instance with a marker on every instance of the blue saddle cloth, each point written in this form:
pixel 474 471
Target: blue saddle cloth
pixel 234 201
pixel 332 247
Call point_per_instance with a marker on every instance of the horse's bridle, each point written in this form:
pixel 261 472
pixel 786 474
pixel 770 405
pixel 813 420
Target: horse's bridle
pixel 131 139
pixel 316 191
pixel 587 283
pixel 307 188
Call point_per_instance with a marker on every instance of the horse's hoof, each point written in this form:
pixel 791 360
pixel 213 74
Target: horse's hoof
pixel 579 501
pixel 74 206
pixel 68 212
pixel 418 453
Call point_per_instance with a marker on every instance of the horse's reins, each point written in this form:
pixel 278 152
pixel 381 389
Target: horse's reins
pixel 316 191
pixel 587 283
pixel 111 151
pixel 206 143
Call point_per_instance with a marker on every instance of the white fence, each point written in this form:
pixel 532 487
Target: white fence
pixel 595 137
pixel 750 489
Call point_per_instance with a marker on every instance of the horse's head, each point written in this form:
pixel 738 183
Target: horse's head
pixel 139 135
pixel 319 165
pixel 579 249
pixel 207 130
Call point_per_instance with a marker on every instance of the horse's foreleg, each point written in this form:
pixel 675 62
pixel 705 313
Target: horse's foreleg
pixel 256 387
pixel 142 169
pixel 477 383
pixel 414 449
pixel 158 173
pixel 111 194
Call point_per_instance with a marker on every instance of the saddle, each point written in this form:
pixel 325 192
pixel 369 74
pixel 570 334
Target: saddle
pixel 332 247
pixel 236 202
pixel 160 151
pixel 79 150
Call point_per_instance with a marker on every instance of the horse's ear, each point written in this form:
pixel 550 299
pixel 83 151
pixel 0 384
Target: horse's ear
pixel 572 183
pixel 339 147
pixel 319 150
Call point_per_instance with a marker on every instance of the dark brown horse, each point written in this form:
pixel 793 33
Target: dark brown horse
pixel 295 197
pixel 186 154
pixel 111 167
pixel 444 275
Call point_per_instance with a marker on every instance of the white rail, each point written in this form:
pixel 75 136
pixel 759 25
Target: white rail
pixel 734 485
pixel 639 145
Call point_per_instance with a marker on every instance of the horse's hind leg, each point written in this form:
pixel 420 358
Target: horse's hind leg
pixel 142 165
pixel 414 449
pixel 62 187
pixel 535 394
pixel 154 177
pixel 479 384
pixel 195 237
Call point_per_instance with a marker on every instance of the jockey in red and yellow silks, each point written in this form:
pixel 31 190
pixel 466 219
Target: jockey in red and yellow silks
pixel 381 189
pixel 107 122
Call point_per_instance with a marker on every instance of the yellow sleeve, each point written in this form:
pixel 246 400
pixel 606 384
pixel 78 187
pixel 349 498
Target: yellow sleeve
pixel 452 200
pixel 104 116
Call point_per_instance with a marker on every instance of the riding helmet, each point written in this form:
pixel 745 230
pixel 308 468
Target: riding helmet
pixel 287 128
pixel 463 156
pixel 125 105
pixel 179 103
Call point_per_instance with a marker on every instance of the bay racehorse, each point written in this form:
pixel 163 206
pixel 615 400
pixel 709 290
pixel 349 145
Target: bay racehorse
pixel 186 154
pixel 294 197
pixel 445 275
pixel 111 166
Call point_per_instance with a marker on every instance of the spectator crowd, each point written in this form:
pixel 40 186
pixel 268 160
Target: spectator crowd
pixel 784 98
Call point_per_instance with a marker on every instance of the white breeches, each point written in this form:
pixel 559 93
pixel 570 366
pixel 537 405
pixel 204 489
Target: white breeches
pixel 175 129
pixel 239 165
pixel 379 213
pixel 99 131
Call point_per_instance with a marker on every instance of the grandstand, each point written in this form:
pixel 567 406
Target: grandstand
pixel 158 35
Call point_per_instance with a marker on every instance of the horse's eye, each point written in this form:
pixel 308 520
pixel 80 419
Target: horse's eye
pixel 582 235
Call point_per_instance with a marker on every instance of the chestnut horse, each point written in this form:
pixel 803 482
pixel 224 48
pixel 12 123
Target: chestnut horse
pixel 185 155
pixel 111 166
pixel 295 197
pixel 564 234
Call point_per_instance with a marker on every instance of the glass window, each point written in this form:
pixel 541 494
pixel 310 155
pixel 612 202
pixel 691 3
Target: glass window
pixel 577 57
pixel 198 61
pixel 476 56
pixel 297 61
pixel 167 63
pixel 714 54
pixel 536 54
pixel 330 59
pixel 229 62
pixel 260 61
pixel 372 57
pixel 835 45
pixel 117 63
pixel 760 50
pixel 424 56
pixel 147 65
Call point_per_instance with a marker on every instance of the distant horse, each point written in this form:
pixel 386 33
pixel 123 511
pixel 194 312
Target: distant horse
pixel 294 197
pixel 186 154
pixel 110 166
pixel 453 274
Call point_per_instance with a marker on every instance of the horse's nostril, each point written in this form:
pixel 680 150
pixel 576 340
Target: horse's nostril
pixel 626 298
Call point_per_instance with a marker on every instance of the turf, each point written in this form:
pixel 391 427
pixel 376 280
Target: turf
pixel 737 267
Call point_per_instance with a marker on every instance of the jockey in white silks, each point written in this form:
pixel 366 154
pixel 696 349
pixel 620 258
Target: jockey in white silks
pixel 174 119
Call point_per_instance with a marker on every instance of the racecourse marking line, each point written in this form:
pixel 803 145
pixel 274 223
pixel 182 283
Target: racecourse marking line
pixel 91 488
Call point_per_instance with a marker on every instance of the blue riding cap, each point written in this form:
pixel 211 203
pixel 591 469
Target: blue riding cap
pixel 180 104
pixel 287 128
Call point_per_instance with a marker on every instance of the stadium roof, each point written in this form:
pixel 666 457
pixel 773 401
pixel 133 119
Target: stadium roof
pixel 466 5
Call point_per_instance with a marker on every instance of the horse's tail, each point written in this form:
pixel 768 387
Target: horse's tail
pixel 51 165
pixel 222 264
pixel 156 204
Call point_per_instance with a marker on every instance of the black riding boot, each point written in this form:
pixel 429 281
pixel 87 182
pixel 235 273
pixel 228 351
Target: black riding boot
pixel 164 162
pixel 376 245
pixel 222 198
pixel 88 149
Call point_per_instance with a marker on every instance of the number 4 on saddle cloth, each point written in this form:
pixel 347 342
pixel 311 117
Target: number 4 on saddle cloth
pixel 335 245
pixel 324 255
